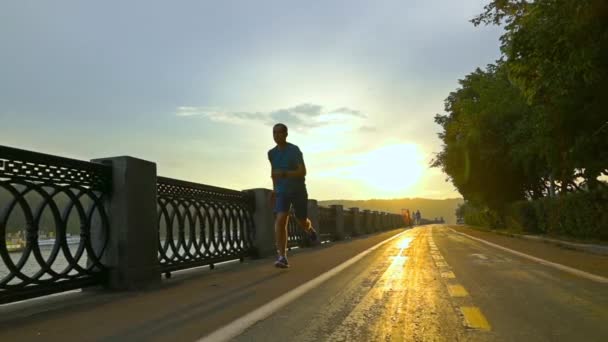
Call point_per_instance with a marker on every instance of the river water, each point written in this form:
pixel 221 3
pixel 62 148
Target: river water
pixel 60 264
pixel 32 267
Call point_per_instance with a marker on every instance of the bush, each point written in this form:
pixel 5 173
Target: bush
pixel 522 216
pixel 580 215
pixel 481 217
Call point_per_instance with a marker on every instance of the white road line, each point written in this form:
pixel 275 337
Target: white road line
pixel 561 267
pixel 239 325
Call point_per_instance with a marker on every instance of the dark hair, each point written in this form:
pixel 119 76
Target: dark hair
pixel 281 125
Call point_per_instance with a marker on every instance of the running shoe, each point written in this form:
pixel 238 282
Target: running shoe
pixel 281 262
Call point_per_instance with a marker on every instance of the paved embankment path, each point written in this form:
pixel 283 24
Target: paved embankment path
pixel 426 283
pixel 188 306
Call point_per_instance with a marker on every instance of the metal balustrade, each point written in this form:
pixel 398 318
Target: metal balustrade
pixel 201 224
pixel 55 224
pixel 42 198
pixel 295 234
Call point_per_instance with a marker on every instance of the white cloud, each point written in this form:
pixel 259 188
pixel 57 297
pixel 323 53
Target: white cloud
pixel 302 116
pixel 190 111
pixel 349 111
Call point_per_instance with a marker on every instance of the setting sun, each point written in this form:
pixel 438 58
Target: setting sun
pixel 391 170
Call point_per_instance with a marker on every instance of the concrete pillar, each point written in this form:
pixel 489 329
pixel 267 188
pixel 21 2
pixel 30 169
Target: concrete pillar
pixel 132 251
pixel 356 222
pixel 376 221
pixel 263 218
pixel 367 221
pixel 338 211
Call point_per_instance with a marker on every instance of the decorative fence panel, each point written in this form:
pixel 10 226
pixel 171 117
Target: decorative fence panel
pixel 201 224
pixel 295 234
pixel 54 227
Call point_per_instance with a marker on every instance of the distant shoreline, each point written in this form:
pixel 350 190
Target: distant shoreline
pixel 429 208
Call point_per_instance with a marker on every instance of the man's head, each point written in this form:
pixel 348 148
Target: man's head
pixel 279 133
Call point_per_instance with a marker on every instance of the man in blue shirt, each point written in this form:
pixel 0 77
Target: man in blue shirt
pixel 288 173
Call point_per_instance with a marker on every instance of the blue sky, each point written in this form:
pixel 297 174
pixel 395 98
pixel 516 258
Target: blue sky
pixel 195 86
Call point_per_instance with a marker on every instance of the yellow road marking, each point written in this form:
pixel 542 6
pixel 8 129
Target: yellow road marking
pixel 441 264
pixel 449 275
pixel 457 291
pixel 473 318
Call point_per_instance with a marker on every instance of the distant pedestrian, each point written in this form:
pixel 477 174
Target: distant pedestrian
pixel 288 173
pixel 417 217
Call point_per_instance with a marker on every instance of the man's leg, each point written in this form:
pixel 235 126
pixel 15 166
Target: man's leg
pixel 301 211
pixel 280 233
pixel 281 209
pixel 305 224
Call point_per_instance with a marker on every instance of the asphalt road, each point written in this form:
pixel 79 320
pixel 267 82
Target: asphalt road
pixel 433 284
pixel 426 284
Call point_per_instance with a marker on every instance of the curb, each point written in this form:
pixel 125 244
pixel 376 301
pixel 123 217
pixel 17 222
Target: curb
pixel 584 247
pixel 595 249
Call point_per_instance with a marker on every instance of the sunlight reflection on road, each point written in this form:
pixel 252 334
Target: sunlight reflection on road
pixel 382 297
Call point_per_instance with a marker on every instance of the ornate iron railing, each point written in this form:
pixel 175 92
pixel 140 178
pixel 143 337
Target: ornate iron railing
pixel 201 224
pixel 44 199
pixel 295 234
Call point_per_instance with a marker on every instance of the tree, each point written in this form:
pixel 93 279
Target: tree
pixel 556 52
pixel 481 155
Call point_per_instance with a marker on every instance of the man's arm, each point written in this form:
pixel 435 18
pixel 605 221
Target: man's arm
pixel 274 176
pixel 299 172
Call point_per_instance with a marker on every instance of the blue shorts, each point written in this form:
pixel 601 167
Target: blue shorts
pixel 299 201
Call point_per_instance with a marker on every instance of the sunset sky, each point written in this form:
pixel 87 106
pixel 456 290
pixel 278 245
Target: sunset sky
pixel 196 86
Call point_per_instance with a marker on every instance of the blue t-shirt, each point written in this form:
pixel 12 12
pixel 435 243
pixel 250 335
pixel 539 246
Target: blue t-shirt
pixel 287 159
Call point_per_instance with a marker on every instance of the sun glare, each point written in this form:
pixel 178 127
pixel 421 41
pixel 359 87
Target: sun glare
pixel 391 170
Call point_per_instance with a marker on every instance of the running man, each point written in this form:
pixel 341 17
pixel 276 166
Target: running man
pixel 289 189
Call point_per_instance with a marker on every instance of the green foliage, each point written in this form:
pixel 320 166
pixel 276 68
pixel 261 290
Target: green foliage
pixel 556 52
pixel 579 215
pixel 582 215
pixel 479 149
pixel 522 217
pixel 536 120
pixel 481 217
pixel 460 212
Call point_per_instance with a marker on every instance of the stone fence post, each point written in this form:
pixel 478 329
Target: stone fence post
pixel 263 218
pixel 368 223
pixel 338 212
pixel 375 221
pixel 132 252
pixel 356 221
